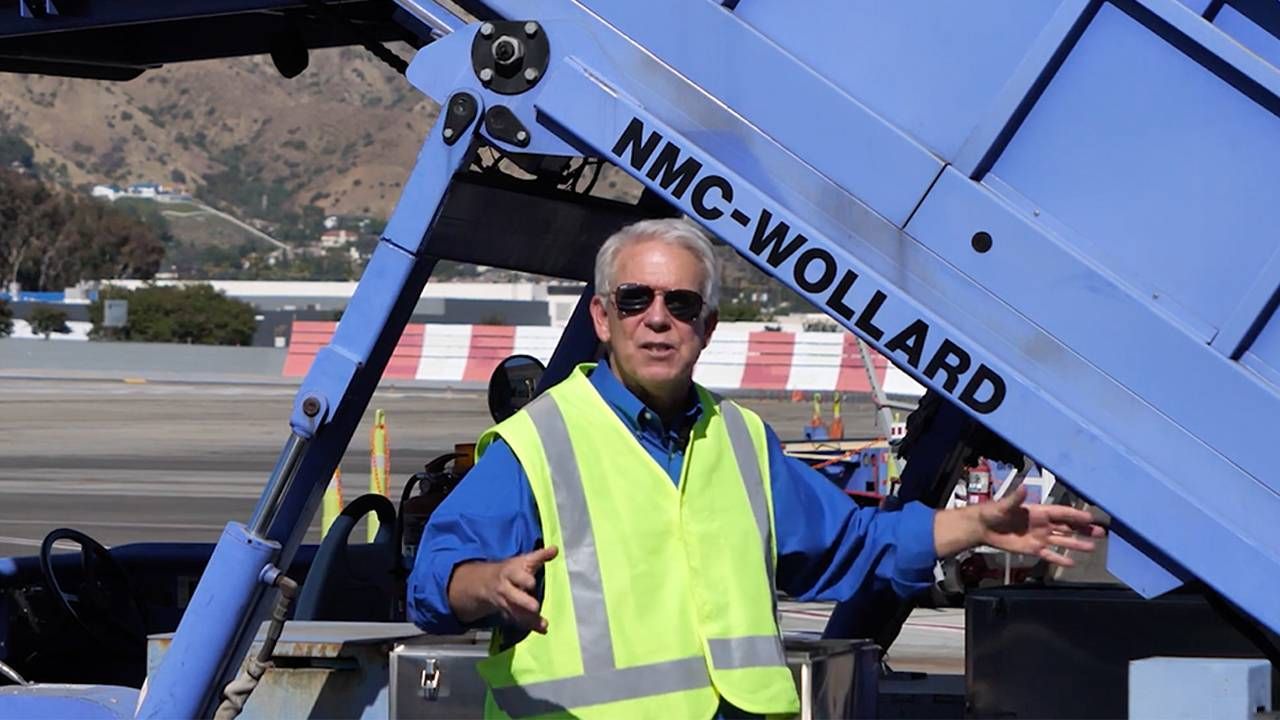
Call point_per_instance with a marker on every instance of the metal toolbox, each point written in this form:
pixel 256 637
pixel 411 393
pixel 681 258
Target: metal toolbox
pixel 435 677
pixel 836 678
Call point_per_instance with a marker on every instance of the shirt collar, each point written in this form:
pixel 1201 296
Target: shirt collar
pixel 629 407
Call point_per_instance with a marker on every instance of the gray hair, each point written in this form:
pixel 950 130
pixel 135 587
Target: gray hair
pixel 672 231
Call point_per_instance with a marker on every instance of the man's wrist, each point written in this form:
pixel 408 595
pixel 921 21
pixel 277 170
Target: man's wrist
pixel 468 592
pixel 977 528
pixel 958 529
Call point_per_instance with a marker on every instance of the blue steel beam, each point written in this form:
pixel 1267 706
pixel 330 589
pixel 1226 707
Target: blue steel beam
pixel 1050 349
pixel 330 402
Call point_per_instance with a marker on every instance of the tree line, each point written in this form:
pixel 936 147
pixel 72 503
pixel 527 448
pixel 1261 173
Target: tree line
pixel 51 239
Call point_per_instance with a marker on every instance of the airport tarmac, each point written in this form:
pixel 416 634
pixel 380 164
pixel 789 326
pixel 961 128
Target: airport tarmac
pixel 129 462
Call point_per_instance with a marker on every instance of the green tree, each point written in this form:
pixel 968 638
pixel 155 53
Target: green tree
pixel 29 216
pixel 738 311
pixel 50 240
pixel 193 314
pixel 46 320
pixel 14 149
pixel 6 319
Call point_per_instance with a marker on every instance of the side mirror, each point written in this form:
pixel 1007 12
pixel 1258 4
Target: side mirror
pixel 512 385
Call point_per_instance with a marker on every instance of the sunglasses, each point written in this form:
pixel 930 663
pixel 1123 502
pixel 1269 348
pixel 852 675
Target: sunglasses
pixel 632 298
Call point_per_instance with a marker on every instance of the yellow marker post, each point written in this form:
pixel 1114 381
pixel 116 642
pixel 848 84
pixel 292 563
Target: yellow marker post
pixel 816 422
pixel 332 502
pixel 836 431
pixel 379 464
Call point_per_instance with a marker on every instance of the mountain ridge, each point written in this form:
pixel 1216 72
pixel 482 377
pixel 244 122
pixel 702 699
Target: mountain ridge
pixel 342 136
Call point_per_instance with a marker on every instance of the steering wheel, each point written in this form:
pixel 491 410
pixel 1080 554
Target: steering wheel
pixel 104 605
pixel 333 578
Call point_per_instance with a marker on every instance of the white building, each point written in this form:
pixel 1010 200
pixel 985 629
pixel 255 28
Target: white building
pixel 337 238
pixel 108 192
pixel 559 299
pixel 144 189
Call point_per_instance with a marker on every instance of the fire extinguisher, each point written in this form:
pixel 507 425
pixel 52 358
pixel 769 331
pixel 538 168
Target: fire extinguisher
pixel 978 489
pixel 434 484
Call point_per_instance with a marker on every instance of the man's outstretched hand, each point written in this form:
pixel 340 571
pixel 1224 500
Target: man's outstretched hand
pixel 1010 524
pixel 480 589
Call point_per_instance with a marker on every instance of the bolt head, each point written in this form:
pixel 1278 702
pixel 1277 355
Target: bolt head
pixel 486 30
pixel 448 133
pixel 486 75
pixel 531 28
pixel 311 407
pixel 522 136
pixel 531 74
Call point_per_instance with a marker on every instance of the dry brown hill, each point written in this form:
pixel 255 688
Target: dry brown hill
pixel 342 135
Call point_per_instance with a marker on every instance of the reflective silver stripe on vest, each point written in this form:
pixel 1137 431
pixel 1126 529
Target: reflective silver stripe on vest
pixel 602 687
pixel 744 451
pixel 747 652
pixel 579 543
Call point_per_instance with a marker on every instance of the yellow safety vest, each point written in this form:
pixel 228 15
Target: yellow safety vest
pixel 661 600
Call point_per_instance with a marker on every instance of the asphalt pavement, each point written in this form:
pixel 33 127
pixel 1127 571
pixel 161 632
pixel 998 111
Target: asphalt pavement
pixel 146 461
pixel 175 461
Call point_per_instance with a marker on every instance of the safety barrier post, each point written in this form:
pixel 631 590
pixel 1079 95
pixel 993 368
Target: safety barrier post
pixel 379 464
pixel 836 431
pixel 332 502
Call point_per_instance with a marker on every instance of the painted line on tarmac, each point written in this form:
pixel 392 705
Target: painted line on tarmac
pixel 28 542
pixel 104 524
pixel 909 623
pixel 808 613
pixel 112 490
pixel 932 626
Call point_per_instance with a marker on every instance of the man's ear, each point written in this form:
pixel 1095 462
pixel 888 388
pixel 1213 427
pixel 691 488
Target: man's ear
pixel 709 326
pixel 600 318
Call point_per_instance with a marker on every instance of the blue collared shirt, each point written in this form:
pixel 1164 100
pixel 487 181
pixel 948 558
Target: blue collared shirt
pixel 828 547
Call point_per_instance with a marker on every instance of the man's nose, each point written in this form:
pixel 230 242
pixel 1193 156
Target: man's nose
pixel 656 316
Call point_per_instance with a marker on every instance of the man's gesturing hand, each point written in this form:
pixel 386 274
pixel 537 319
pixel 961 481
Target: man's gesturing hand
pixel 1011 525
pixel 479 589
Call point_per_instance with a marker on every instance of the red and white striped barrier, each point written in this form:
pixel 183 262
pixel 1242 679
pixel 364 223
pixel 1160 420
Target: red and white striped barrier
pixel 738 358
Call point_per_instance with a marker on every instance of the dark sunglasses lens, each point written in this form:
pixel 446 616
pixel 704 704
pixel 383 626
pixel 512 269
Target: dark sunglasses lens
pixel 684 305
pixel 633 298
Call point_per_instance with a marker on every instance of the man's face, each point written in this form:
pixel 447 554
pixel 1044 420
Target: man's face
pixel 651 350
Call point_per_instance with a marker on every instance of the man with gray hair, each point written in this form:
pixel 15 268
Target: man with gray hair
pixel 640 526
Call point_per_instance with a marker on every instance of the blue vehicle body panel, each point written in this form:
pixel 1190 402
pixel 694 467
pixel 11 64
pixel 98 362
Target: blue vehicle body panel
pixel 96 702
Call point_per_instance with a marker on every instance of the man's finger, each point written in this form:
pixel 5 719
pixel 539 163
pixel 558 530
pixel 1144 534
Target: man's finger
pixel 1015 498
pixel 1064 514
pixel 1090 531
pixel 1056 558
pixel 1071 542
pixel 523 611
pixel 522 579
pixel 518 599
pixel 536 558
pixel 528 620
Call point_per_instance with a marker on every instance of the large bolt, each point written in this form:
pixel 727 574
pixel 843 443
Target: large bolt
pixel 486 75
pixel 531 74
pixel 507 50
pixel 311 407
pixel 486 30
